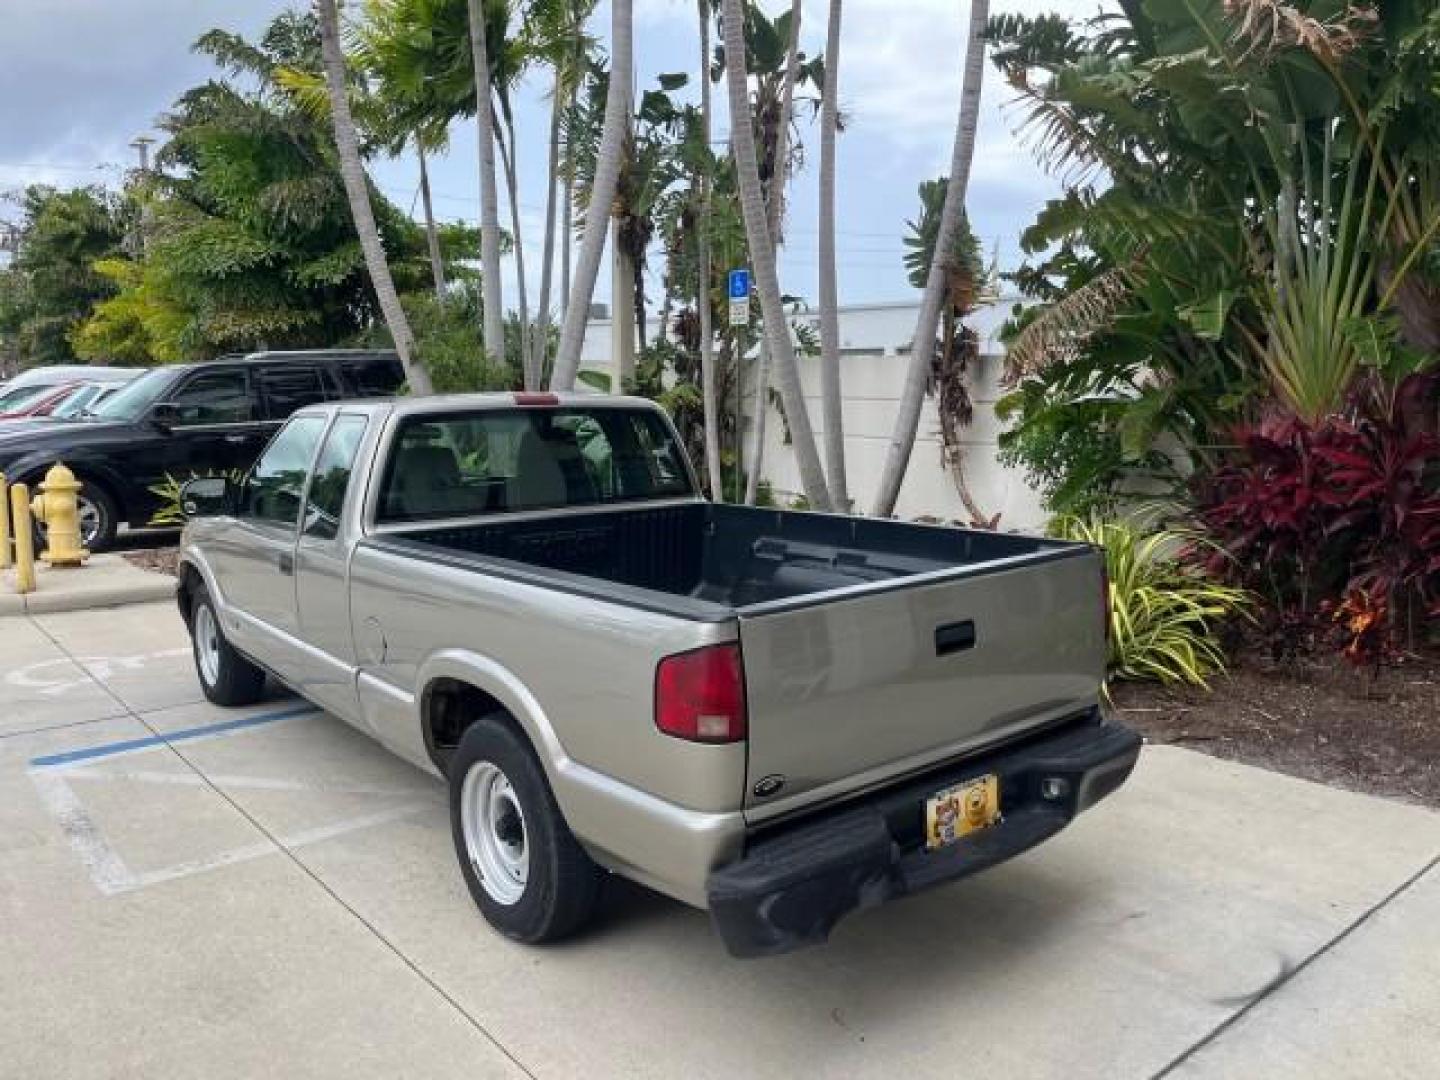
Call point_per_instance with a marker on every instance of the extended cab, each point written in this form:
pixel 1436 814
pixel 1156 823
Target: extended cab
pixel 777 716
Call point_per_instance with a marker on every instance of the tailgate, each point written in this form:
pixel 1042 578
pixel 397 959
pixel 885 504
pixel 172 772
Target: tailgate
pixel 846 693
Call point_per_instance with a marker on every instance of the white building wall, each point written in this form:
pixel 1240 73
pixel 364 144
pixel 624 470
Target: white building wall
pixel 874 357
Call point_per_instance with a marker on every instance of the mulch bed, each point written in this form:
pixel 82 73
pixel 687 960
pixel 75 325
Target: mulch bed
pixel 1314 719
pixel 162 560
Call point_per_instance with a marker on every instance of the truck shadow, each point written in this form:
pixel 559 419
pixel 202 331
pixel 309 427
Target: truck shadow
pixel 893 956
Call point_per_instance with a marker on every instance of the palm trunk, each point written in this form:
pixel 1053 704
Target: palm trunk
pixel 922 347
pixel 708 388
pixel 774 214
pixel 357 190
pixel 536 361
pixel 512 191
pixel 432 234
pixel 567 199
pixel 762 256
pixel 491 292
pixel 602 195
pixel 830 399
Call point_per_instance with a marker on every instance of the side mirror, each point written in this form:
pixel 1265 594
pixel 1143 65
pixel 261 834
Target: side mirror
pixel 165 415
pixel 205 496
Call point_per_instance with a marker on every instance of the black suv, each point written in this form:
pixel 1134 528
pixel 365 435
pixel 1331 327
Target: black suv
pixel 182 421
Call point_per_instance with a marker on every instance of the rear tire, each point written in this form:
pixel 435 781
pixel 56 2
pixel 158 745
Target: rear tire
pixel 527 873
pixel 226 677
pixel 99 519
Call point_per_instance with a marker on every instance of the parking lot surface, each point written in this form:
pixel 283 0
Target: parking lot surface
pixel 191 891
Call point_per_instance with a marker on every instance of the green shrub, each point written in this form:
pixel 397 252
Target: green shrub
pixel 1164 615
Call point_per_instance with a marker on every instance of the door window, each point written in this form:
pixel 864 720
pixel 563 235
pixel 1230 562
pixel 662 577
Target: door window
pixel 375 376
pixel 332 477
pixel 283 389
pixel 212 397
pixel 275 484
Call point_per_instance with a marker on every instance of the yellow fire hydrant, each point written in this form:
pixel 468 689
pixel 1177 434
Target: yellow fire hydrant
pixel 57 505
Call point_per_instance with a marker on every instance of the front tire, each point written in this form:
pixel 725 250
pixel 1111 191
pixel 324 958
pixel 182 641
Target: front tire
pixel 226 677
pixel 527 873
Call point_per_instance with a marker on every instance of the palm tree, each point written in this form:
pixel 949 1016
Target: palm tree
pixel 602 194
pixel 558 27
pixel 774 210
pixel 490 288
pixel 829 303
pixel 922 347
pixel 432 233
pixel 357 190
pixel 762 257
pixel 708 388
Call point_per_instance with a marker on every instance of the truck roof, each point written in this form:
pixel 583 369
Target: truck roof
pixel 434 404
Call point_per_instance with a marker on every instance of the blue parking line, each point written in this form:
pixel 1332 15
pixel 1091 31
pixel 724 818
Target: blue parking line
pixel 108 749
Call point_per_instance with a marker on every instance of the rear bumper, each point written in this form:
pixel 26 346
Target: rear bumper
pixel 790 888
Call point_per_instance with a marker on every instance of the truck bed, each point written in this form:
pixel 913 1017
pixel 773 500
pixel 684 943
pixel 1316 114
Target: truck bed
pixel 738 557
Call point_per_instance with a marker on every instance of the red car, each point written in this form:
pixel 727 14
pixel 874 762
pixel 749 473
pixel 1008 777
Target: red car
pixel 37 403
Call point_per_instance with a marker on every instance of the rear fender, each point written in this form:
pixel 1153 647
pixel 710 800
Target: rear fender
pixel 504 686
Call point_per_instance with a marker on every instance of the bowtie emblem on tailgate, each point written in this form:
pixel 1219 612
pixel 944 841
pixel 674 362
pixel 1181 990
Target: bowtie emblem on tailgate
pixel 767 786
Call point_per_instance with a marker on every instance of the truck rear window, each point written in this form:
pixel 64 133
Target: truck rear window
pixel 498 461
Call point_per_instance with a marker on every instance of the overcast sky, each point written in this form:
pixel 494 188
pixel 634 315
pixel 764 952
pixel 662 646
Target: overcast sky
pixel 79 79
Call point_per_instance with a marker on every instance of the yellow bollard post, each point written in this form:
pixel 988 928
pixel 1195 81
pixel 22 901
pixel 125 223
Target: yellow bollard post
pixel 4 524
pixel 57 506
pixel 24 538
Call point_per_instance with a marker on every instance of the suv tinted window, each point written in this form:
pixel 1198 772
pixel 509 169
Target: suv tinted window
pixel 375 376
pixel 287 387
pixel 273 489
pixel 213 397
pixel 332 477
pixel 529 459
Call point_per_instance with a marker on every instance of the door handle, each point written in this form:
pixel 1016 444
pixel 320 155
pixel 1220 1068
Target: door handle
pixel 287 563
pixel 956 637
pixel 237 440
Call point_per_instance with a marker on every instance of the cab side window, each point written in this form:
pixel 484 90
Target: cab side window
pixel 332 477
pixel 276 483
pixel 213 397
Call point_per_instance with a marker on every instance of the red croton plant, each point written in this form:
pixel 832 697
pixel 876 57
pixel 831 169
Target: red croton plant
pixel 1336 523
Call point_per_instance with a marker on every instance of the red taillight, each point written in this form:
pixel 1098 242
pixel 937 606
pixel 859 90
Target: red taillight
pixel 535 398
pixel 700 695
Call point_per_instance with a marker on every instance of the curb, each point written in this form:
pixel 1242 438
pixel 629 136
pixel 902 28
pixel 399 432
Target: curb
pixel 93 590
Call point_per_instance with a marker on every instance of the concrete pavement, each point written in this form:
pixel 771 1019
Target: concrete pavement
pixel 195 891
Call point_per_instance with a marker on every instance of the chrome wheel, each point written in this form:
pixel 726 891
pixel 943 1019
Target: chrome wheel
pixel 207 644
pixel 493 826
pixel 91 520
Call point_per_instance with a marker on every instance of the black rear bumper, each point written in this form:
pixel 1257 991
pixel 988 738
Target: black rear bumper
pixel 789 889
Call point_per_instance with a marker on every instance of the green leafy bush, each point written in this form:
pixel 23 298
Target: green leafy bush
pixel 1165 615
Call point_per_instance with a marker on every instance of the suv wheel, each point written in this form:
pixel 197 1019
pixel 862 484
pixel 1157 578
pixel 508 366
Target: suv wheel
pixel 98 519
pixel 527 873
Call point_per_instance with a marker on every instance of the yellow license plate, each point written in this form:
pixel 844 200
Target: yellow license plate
pixel 956 812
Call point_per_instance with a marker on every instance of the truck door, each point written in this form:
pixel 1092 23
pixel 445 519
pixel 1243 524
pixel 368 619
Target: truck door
pixel 254 561
pixel 322 590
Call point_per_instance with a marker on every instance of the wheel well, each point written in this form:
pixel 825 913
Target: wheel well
pixel 449 707
pixel 187 579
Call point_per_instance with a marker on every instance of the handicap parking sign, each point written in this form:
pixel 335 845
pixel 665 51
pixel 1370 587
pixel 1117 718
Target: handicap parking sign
pixel 739 284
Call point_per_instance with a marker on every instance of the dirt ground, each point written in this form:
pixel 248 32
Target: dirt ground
pixel 1314 720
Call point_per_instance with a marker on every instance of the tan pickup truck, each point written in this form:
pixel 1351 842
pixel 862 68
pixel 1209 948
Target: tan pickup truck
pixel 776 716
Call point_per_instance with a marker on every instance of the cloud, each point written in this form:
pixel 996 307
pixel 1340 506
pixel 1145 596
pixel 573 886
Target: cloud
pixel 81 78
